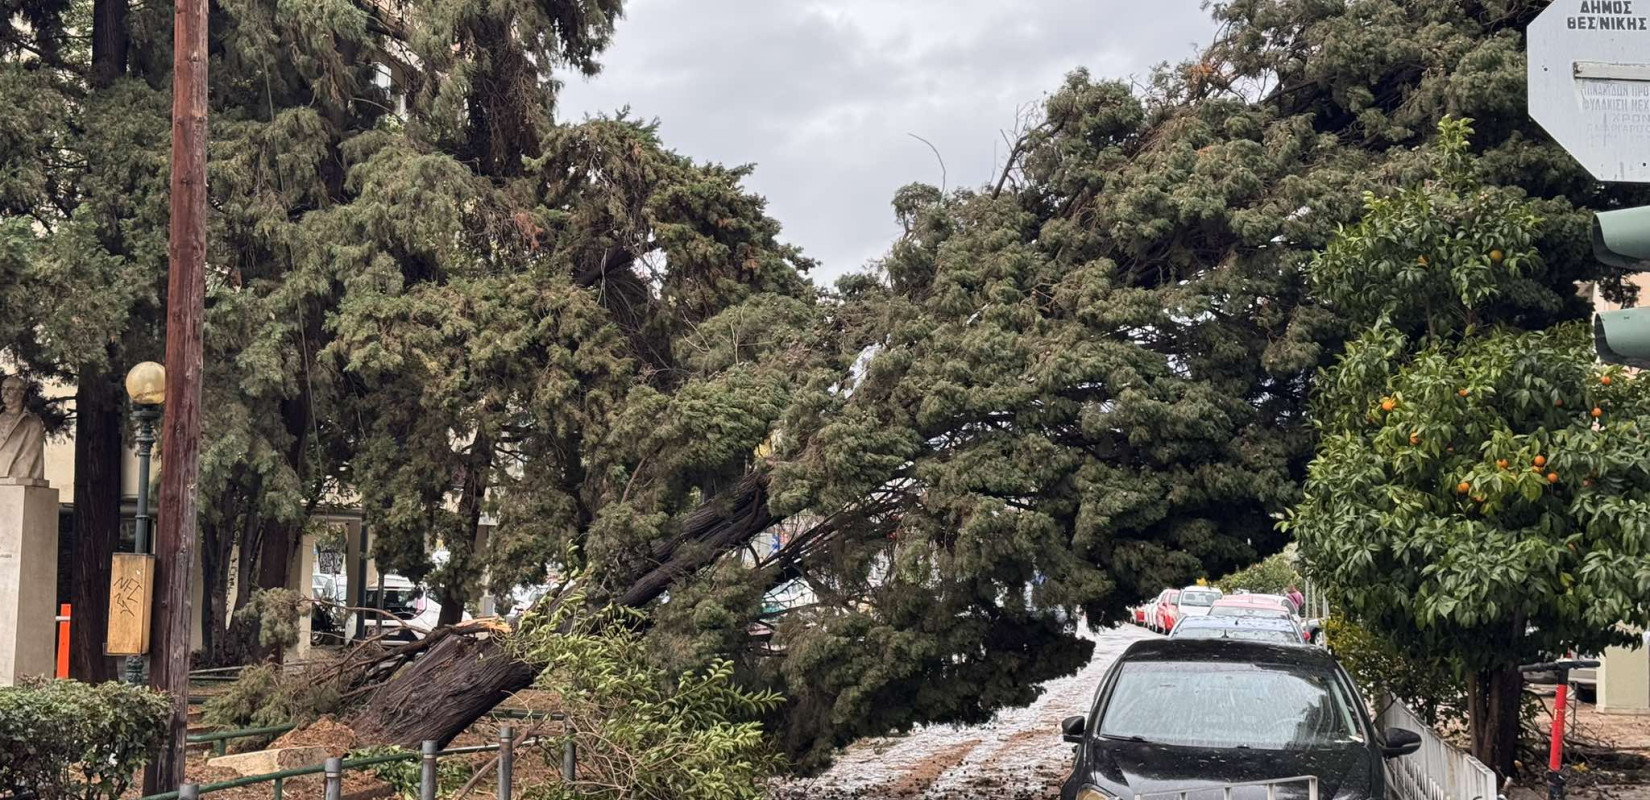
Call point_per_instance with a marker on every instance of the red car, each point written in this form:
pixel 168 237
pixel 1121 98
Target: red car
pixel 1168 610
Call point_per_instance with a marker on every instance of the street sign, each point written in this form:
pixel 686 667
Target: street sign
pixel 1589 83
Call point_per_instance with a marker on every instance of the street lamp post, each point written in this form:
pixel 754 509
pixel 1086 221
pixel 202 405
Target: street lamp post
pixel 146 386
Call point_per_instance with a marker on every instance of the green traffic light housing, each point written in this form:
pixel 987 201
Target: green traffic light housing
pixel 1621 239
pixel 1623 337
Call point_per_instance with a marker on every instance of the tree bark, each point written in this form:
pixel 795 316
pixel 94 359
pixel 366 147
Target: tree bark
pixel 109 42
pixel 97 440
pixel 443 692
pixel 215 548
pixel 1493 716
pixel 279 541
pixel 97 458
pixel 450 687
pixel 477 468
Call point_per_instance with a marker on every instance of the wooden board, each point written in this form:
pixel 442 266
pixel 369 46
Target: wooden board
pixel 131 590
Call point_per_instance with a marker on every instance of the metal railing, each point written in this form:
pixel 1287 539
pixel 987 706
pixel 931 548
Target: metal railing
pixel 1225 792
pixel 1437 771
pixel 332 771
pixel 220 739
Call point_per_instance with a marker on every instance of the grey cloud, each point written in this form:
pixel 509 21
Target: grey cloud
pixel 822 94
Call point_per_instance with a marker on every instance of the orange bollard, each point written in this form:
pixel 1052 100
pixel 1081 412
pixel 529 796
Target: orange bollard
pixel 63 641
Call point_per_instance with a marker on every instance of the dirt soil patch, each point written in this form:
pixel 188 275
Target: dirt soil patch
pixel 327 732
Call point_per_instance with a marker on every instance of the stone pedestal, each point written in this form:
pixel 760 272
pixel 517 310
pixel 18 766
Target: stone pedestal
pixel 28 579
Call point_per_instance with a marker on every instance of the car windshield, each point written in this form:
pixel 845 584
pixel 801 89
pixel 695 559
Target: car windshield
pixel 1273 635
pixel 400 602
pixel 1247 611
pixel 1223 704
pixel 1197 598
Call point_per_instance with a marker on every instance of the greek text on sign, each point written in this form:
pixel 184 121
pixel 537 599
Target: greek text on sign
pixel 1589 83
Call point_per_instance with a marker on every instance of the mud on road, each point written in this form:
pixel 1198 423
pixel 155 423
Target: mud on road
pixel 1018 755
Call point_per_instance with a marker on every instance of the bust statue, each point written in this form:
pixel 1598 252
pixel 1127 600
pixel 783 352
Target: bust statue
pixel 22 435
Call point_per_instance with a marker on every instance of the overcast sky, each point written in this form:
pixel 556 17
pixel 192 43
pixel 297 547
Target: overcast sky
pixel 822 95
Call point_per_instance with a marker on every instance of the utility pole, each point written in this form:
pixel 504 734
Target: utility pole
pixel 181 427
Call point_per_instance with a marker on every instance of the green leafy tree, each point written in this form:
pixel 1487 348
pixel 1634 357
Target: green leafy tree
pixel 1477 486
pixel 1273 574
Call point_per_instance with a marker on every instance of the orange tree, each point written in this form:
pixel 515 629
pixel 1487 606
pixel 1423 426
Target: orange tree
pixel 1480 490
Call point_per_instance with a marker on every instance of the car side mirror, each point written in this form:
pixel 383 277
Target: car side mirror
pixel 1073 728
pixel 1399 742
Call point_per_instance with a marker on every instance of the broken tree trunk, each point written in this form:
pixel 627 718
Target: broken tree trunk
pixel 461 678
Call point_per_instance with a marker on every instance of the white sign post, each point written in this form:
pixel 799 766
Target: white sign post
pixel 1589 83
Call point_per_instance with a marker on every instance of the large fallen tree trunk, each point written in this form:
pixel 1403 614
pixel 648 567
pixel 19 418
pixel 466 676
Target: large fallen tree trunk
pixel 463 677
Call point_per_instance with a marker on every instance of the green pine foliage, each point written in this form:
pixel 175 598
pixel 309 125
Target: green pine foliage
pixel 639 730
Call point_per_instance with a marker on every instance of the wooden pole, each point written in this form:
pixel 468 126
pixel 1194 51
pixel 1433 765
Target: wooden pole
pixel 180 430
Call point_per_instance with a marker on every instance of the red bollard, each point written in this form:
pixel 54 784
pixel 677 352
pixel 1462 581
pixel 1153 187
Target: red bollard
pixel 1555 757
pixel 63 641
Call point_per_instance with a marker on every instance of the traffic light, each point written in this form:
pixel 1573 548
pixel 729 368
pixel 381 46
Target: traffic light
pixel 1621 239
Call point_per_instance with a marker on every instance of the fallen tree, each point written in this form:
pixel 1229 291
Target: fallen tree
pixel 461 673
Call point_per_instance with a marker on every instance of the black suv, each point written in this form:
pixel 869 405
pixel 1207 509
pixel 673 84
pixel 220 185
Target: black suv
pixel 1204 715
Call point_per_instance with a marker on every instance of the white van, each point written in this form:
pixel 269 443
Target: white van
pixel 409 611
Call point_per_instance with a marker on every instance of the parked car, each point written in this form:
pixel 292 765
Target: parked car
pixel 1262 605
pixel 1183 715
pixel 1250 629
pixel 1168 610
pixel 1151 609
pixel 1196 600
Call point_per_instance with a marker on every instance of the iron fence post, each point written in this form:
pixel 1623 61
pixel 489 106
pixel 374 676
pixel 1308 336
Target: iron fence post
pixel 570 761
pixel 426 779
pixel 506 760
pixel 334 771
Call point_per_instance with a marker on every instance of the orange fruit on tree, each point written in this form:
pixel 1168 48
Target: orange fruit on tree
pixel 1597 412
pixel 1462 392
pixel 1387 404
pixel 1463 487
pixel 1496 256
pixel 1501 463
pixel 1552 477
pixel 1415 438
pixel 1541 461
pixel 1422 260
pixel 1478 498
pixel 1605 380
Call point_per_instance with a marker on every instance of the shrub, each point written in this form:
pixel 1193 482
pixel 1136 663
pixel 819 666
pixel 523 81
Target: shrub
pixel 641 732
pixel 66 740
pixel 1431 685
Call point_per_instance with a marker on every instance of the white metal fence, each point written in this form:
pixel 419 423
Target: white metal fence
pixel 1439 770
